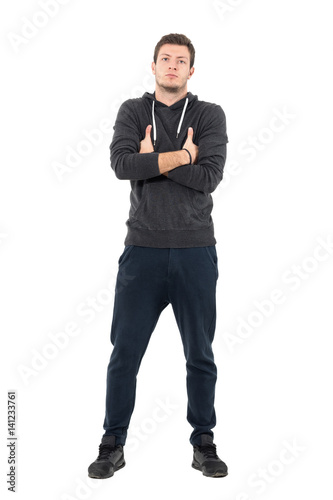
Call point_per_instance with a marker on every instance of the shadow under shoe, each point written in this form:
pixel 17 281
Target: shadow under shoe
pixel 206 460
pixel 109 460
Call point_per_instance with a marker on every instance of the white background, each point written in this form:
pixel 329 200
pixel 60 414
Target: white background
pixel 61 237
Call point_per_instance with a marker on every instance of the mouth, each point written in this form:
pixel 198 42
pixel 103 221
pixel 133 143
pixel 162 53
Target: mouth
pixel 170 75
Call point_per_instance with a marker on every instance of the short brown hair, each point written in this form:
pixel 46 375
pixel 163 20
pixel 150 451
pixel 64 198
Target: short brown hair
pixel 176 39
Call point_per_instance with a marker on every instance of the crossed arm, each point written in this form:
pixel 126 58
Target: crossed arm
pixel 173 159
pixel 133 159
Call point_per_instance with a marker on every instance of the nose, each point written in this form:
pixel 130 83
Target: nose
pixel 172 67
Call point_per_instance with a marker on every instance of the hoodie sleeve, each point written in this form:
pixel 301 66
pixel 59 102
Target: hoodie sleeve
pixel 126 161
pixel 211 140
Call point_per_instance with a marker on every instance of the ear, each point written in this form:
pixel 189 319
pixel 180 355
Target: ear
pixel 153 67
pixel 191 72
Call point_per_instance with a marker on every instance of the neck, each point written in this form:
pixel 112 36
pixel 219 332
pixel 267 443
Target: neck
pixel 169 98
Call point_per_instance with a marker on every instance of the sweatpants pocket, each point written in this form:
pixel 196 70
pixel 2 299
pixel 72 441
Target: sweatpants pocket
pixel 127 250
pixel 212 255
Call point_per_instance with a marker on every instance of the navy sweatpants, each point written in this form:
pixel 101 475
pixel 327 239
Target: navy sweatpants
pixel 148 280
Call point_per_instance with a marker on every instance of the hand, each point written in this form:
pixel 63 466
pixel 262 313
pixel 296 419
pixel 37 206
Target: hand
pixel 146 146
pixel 189 144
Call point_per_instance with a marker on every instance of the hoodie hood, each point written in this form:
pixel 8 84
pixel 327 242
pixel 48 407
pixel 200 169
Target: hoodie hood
pixel 183 103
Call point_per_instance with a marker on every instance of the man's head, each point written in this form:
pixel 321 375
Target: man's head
pixel 173 62
pixel 176 39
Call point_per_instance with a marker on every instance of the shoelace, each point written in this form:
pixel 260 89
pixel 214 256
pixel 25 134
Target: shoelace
pixel 104 451
pixel 209 451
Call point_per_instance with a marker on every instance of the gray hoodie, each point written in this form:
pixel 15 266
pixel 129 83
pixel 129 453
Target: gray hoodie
pixel 173 211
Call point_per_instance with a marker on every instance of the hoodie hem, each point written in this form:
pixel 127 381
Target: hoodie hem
pixel 173 238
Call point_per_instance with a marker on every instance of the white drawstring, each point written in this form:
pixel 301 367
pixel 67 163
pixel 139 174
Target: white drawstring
pixel 180 121
pixel 182 117
pixel 154 123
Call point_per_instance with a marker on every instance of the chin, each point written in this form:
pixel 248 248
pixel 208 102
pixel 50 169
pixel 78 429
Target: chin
pixel 171 88
pixel 174 90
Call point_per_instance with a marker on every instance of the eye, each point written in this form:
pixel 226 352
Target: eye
pixel 164 58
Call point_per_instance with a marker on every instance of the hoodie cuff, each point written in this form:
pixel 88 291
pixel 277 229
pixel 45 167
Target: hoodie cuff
pixel 147 165
pixel 138 166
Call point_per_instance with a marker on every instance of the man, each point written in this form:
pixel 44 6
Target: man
pixel 172 148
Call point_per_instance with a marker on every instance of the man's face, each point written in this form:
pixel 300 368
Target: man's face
pixel 172 68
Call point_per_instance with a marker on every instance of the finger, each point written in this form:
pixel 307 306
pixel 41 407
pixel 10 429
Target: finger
pixel 148 129
pixel 190 133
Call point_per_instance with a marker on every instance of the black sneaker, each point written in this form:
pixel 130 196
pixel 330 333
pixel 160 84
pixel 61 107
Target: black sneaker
pixel 109 460
pixel 206 460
